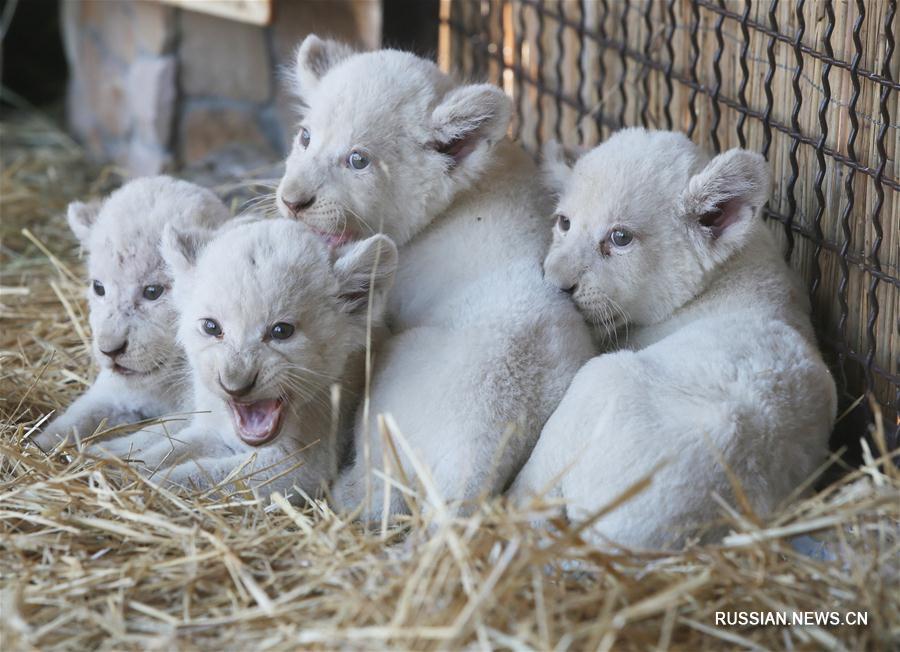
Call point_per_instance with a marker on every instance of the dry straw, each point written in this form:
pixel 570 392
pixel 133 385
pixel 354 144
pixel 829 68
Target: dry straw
pixel 92 556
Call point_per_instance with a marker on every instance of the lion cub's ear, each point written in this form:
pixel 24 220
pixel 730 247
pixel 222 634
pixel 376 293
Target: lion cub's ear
pixel 181 248
pixel 366 267
pixel 315 57
pixel 556 164
pixel 722 199
pixel 469 116
pixel 81 217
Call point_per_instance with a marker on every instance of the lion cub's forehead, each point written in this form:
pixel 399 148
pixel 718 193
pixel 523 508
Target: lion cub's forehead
pixel 125 239
pixel 273 262
pixel 378 91
pixel 635 177
pixel 143 207
pixel 131 263
pixel 126 252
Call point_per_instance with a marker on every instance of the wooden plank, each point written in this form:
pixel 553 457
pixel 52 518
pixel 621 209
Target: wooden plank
pixel 256 12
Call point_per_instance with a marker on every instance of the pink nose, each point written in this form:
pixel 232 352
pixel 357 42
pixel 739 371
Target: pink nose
pixel 298 205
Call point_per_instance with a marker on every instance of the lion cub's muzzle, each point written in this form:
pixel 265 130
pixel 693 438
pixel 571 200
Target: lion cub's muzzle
pixel 256 421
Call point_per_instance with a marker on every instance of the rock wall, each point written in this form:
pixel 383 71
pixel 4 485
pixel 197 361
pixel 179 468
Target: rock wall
pixel 153 87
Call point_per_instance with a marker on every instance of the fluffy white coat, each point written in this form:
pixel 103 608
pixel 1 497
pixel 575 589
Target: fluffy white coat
pixel 270 320
pixel 482 349
pixel 131 309
pixel 665 251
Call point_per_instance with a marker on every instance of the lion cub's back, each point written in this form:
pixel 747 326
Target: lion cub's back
pixel 482 256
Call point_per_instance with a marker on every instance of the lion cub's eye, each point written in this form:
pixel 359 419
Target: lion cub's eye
pixel 99 290
pixel 281 331
pixel 621 237
pixel 153 292
pixel 304 137
pixel 357 160
pixel 211 327
pixel 563 223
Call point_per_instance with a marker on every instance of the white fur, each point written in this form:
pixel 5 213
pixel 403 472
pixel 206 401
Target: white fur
pixel 250 277
pixel 122 235
pixel 718 362
pixel 480 343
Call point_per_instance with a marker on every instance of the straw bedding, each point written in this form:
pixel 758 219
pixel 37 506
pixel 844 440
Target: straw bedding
pixel 94 557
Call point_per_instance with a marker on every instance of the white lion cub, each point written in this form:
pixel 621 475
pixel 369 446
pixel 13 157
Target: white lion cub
pixel 481 346
pixel 270 320
pixel 719 365
pixel 131 310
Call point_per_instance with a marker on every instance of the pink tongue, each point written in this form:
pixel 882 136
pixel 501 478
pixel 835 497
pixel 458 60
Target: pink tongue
pixel 257 421
pixel 335 240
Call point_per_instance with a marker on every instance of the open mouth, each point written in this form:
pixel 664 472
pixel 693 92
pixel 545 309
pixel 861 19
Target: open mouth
pixel 335 239
pixel 125 371
pixel 257 422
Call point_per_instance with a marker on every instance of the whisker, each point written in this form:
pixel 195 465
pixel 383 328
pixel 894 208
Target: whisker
pixel 360 218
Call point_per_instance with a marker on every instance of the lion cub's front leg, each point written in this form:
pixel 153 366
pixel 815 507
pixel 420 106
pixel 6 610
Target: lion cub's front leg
pixel 130 443
pixel 199 458
pixel 102 402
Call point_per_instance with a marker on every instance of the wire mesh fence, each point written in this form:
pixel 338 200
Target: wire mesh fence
pixel 810 84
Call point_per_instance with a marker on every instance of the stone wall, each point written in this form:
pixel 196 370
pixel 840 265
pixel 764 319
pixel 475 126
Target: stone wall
pixel 153 87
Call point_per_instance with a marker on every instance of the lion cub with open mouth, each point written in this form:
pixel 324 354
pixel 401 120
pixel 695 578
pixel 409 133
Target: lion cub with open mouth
pixel 718 376
pixel 270 319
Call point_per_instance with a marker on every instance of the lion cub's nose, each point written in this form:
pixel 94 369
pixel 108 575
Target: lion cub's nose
pixel 571 289
pixel 241 391
pixel 112 353
pixel 300 204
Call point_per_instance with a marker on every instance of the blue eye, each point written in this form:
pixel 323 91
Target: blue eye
pixel 621 237
pixel 153 292
pixel 303 137
pixel 281 331
pixel 563 223
pixel 211 327
pixel 357 160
